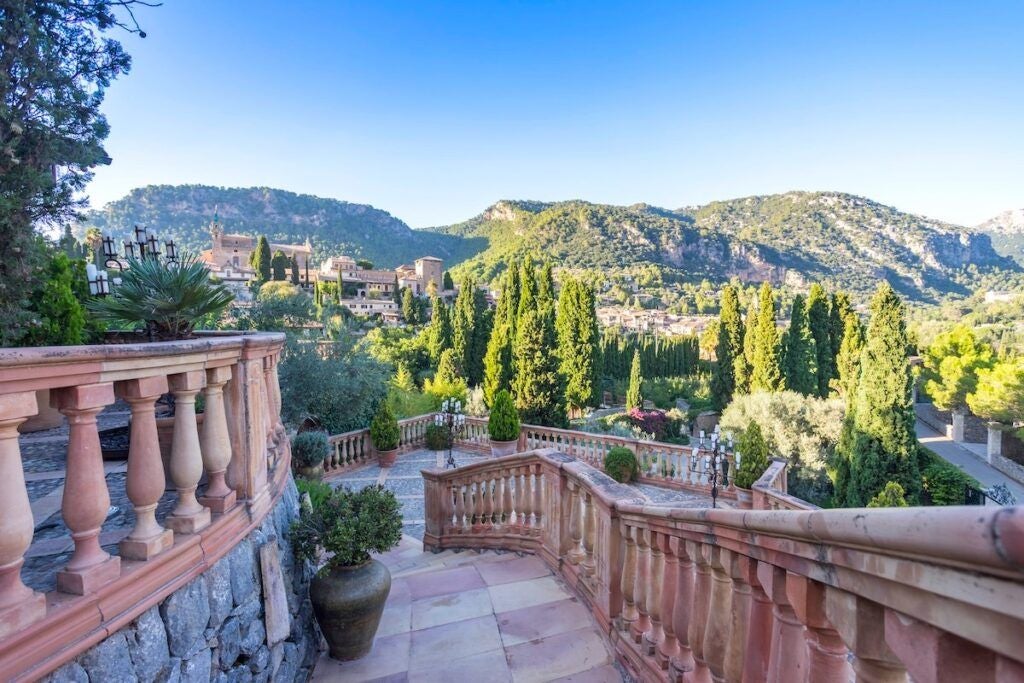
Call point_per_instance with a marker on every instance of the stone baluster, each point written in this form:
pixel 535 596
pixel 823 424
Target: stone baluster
pixel 215 442
pixel 86 500
pixel 478 506
pixel 527 498
pixel 145 481
pixel 683 663
pixel 589 563
pixel 717 631
pixel 653 638
pixel 826 653
pixel 862 626
pixel 701 605
pixel 506 497
pixel 739 570
pixel 669 646
pixel 19 605
pixel 627 583
pixel 538 499
pixel 189 516
pixel 788 660
pixel 489 501
pixel 460 506
pixel 643 582
pixel 269 413
pixel 576 553
pixel 758 646
pixel 932 655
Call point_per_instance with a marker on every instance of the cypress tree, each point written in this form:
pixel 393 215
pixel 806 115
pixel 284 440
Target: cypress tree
pixel 409 308
pixel 527 289
pixel 578 344
pixel 766 374
pixel 483 320
pixel 279 266
pixel 511 290
pixel 546 286
pixel 634 397
pixel 879 443
pixel 497 361
pixel 848 360
pixel 818 319
pixel 462 322
pixel 447 282
pixel 839 309
pixel 396 294
pixel 801 354
pixel 743 365
pixel 260 259
pixel 728 350
pixel 439 334
pixel 538 387
pixel 295 271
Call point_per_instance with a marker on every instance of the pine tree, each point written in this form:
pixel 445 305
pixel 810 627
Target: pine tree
pixel 279 266
pixel 409 307
pixel 578 344
pixel 728 350
pixel 879 443
pixel 801 357
pixel 259 259
pixel 766 373
pixel 439 334
pixel 537 385
pixel 295 271
pixel 819 322
pixel 634 397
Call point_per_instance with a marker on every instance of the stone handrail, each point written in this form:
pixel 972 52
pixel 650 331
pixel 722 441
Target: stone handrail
pixel 770 490
pixel 751 595
pixel 240 445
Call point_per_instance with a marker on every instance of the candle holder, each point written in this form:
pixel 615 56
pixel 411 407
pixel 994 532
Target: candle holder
pixel 717 451
pixel 144 245
pixel 452 419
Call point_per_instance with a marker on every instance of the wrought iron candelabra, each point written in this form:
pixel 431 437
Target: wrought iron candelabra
pixel 143 245
pixel 716 459
pixel 451 418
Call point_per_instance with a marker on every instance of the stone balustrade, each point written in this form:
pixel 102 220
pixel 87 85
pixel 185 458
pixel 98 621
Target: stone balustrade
pixel 240 447
pixel 824 596
pixel 355 449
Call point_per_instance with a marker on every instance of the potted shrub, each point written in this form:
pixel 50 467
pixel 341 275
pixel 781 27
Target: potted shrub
pixel 503 425
pixel 438 438
pixel 752 453
pixel 620 464
pixel 384 434
pixel 349 591
pixel 309 450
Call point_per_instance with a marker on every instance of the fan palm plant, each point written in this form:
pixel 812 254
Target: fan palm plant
pixel 166 299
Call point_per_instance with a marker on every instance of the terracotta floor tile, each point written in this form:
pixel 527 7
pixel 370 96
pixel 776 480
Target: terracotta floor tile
pixel 510 596
pixel 487 666
pixel 602 674
pixel 540 621
pixel 445 581
pixel 453 641
pixel 548 659
pixel 518 569
pixel 397 618
pixel 445 609
pixel 389 656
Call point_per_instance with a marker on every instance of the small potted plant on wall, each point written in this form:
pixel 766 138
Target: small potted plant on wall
pixel 349 591
pixel 309 451
pixel 503 425
pixel 384 434
pixel 752 453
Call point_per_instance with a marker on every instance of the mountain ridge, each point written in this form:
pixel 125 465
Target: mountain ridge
pixel 1007 233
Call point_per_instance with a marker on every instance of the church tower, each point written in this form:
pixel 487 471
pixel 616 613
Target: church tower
pixel 216 231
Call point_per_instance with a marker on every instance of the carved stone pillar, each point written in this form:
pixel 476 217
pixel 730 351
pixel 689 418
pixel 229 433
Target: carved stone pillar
pixel 682 663
pixel 576 553
pixel 215 443
pixel 656 635
pixel 20 606
pixel 188 516
pixel 861 624
pixel 642 584
pixel 788 661
pixel 739 571
pixel 668 649
pixel 86 499
pixel 716 634
pixel 589 532
pixel 145 482
pixel 826 653
pixel 628 583
pixel 757 651
pixel 701 605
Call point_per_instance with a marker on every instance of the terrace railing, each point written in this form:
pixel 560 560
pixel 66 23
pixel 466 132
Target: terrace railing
pixel 781 595
pixel 241 447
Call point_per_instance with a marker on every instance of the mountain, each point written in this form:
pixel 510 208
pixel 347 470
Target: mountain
pixel 791 238
pixel 333 227
pixel 1007 233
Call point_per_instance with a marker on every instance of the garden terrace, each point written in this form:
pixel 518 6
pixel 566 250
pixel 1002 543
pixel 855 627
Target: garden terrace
pixel 238 448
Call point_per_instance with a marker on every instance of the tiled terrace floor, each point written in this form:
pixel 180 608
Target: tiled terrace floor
pixel 472 616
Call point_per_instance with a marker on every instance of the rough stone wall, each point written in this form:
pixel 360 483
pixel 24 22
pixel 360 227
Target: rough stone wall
pixel 213 628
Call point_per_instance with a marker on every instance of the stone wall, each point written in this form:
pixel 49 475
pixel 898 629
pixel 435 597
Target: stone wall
pixel 229 624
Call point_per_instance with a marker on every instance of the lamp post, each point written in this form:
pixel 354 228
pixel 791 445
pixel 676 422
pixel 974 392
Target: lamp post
pixel 716 459
pixel 451 418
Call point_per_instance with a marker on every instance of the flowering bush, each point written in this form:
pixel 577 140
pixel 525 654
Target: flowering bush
pixel 650 422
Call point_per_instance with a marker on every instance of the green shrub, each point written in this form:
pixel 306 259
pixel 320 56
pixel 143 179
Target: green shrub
pixel 503 424
pixel 384 429
pixel 318 491
pixel 892 496
pixel 438 438
pixel 62 320
pixel 754 460
pixel 943 482
pixel 406 403
pixel 310 449
pixel 348 526
pixel 620 464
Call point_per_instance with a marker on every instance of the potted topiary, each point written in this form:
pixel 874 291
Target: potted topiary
pixel 752 454
pixel 620 464
pixel 384 434
pixel 349 591
pixel 309 450
pixel 503 425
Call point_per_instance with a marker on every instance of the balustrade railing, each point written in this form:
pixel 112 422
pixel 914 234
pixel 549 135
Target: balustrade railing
pixel 240 447
pixel 355 449
pixel 824 596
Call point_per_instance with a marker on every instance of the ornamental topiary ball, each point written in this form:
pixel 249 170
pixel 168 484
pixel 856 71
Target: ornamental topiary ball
pixel 620 464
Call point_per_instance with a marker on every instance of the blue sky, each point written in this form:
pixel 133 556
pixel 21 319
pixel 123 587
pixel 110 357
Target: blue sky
pixel 433 110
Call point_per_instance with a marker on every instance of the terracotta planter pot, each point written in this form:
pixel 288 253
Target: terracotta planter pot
pixel 348 604
pixel 312 472
pixel 387 458
pixel 744 499
pixel 500 448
